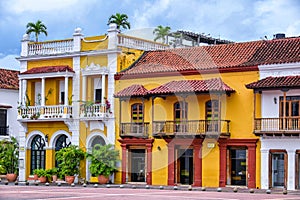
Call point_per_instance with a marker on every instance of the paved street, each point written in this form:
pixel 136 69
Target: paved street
pixel 13 192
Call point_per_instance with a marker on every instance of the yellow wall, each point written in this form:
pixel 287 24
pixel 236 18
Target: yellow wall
pixel 52 62
pixel 93 43
pixel 237 106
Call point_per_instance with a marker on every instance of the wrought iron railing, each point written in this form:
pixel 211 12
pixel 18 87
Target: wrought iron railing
pixel 191 127
pixel 135 129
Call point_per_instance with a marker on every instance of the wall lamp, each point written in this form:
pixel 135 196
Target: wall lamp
pixel 275 100
pixel 46 138
pixel 159 148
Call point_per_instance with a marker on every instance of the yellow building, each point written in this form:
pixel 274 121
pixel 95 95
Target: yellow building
pixel 186 117
pixel 66 94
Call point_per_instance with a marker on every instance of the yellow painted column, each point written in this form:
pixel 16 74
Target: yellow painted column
pixel 50 159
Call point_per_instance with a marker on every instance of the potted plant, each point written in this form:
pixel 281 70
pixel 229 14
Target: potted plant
pixel 103 161
pixel 43 175
pixel 53 172
pixel 9 157
pixel 69 161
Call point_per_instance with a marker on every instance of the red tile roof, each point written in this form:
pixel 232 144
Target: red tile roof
pixel 48 69
pixel 196 86
pixel 276 82
pixel 132 91
pixel 218 57
pixel 9 79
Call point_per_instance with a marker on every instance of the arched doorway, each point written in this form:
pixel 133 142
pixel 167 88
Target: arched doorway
pixel 38 153
pixel 61 142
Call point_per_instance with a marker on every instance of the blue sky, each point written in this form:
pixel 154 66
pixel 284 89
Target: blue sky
pixel 237 20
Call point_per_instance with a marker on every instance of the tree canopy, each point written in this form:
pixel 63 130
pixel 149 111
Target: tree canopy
pixel 120 19
pixel 36 28
pixel 162 32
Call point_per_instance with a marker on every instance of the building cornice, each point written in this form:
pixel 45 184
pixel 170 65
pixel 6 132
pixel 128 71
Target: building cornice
pixel 70 55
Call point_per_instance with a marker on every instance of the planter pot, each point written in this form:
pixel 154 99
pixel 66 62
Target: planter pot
pixel 35 177
pixel 11 177
pixel 102 179
pixel 43 179
pixel 69 179
pixel 54 178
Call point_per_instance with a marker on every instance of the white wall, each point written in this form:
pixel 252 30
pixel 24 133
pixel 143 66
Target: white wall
pixel 10 98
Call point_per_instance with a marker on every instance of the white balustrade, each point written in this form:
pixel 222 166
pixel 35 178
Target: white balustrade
pixel 94 111
pixel 44 112
pixel 137 43
pixel 51 47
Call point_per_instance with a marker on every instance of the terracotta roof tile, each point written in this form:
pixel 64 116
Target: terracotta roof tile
pixel 132 91
pixel 218 56
pixel 197 86
pixel 48 69
pixel 276 82
pixel 9 79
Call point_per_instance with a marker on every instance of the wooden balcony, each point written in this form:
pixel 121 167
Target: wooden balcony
pixel 4 131
pixel 200 128
pixel 277 126
pixel 139 130
pixel 48 113
pixel 94 112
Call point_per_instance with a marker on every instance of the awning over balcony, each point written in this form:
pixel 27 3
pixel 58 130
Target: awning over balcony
pixel 215 85
pixel 48 69
pixel 192 86
pixel 271 83
pixel 132 91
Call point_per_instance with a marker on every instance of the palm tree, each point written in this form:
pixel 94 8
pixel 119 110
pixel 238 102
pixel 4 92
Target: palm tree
pixel 120 19
pixel 36 28
pixel 161 33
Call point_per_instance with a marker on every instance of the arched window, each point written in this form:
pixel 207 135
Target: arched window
pixel 97 140
pixel 137 114
pixel 38 153
pixel 61 142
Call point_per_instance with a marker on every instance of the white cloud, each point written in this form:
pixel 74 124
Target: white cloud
pixel 10 62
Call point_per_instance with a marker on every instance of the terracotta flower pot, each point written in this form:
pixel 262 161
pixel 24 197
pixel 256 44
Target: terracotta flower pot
pixel 102 179
pixel 69 179
pixel 43 179
pixel 35 177
pixel 54 178
pixel 11 177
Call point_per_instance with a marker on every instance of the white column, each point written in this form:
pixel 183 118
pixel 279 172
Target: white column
pixel 43 92
pixel 103 88
pixel 24 90
pixel 264 166
pixel 77 35
pixel 291 170
pixel 24 46
pixel 66 90
pixel 20 92
pixel 22 152
pixel 84 88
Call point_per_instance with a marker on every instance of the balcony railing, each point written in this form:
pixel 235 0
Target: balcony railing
pixel 44 112
pixel 4 131
pixel 135 129
pixel 277 125
pixel 137 43
pixel 94 112
pixel 50 47
pixel 192 128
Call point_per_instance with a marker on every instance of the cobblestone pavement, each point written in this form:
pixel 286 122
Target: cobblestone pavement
pixel 116 192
